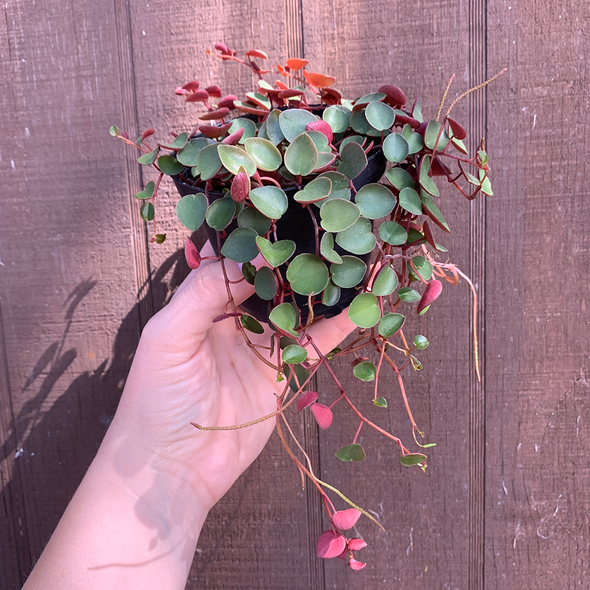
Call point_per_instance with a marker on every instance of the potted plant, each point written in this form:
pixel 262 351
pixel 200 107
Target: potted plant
pixel 299 184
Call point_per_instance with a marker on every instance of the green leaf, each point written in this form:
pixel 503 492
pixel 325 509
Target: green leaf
pixel 412 459
pixel 380 402
pixel 284 317
pixel 425 181
pixel 365 371
pixel 359 123
pixel 190 152
pixel 277 253
pixel 353 452
pixel 375 201
pixel 270 201
pixel 191 211
pixel 390 324
pixel 368 98
pixel 208 162
pixel 327 249
pixel 220 213
pixel 251 217
pixel 249 272
pixel 364 310
pixel 349 273
pixel 340 185
pixel 423 267
pixel 178 142
pixel 415 143
pixel 393 233
pixel 247 125
pixel 417 111
pixel 299 375
pixel 147 211
pixel 331 294
pixel 301 157
pixel 294 354
pixel 147 192
pixel 114 130
pixel 420 342
pixel 358 238
pixel 293 121
pixel 273 128
pixel 307 274
pixel 337 215
pixel 386 282
pixel 353 160
pixel 240 246
pixel 379 115
pixel 265 155
pixel 148 159
pixel 395 148
pixel 432 211
pixel 265 284
pixel 251 324
pixel 338 117
pixel 400 178
pixel 409 295
pixel 233 158
pixel 169 165
pixel 316 190
pixel 409 200
pixel 431 134
pixel 320 140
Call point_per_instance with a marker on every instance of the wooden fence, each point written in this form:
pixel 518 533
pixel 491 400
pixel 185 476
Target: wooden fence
pixel 505 500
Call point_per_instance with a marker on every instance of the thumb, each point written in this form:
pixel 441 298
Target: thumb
pixel 199 300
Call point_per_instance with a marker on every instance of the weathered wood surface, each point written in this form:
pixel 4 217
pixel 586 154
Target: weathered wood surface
pixel 504 500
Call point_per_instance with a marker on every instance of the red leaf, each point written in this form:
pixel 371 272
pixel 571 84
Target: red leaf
pixel 290 93
pixel 394 95
pixel 282 70
pixel 343 555
pixel 330 544
pixel 197 96
pixel 256 53
pixel 223 48
pixel 428 234
pixel 215 115
pixel 281 85
pixel 432 291
pixel 214 91
pixel 193 258
pixel 437 168
pixel 212 131
pixel 234 138
pixel 306 399
pixel 323 415
pixel 227 101
pixel 322 127
pixel 147 133
pixel 346 519
pixel 191 86
pixel 356 544
pixel 457 130
pixel 240 187
pixel 356 565
pixel 331 96
pixel 294 63
pixel 180 90
pixel 224 316
pixel 319 80
pixel 414 123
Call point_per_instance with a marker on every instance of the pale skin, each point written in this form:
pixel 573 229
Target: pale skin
pixel 135 520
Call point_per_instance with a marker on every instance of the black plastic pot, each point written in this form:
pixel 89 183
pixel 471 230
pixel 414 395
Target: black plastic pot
pixel 296 224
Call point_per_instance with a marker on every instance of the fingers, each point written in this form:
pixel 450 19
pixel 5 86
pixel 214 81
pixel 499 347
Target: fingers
pixel 329 333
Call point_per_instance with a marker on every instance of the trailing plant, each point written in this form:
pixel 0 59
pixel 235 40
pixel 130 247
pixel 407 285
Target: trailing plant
pixel 371 247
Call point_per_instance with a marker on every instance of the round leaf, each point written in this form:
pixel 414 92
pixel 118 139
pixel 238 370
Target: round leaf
pixel 353 452
pixel 395 148
pixel 307 274
pixel 338 117
pixel 284 317
pixel 380 402
pixel 340 185
pixel 208 162
pixel 306 399
pixel 251 324
pixel 423 267
pixel 390 324
pixel 338 214
pixel 409 200
pixel 273 128
pixel 346 519
pixel 294 354
pixel 400 178
pixel 353 160
pixel 233 158
pixel 265 284
pixel 301 156
pixel 265 155
pixel 393 233
pixel 364 310
pixel 330 544
pixel 220 213
pixel 412 459
pixel 270 201
pixel 425 181
pixel 277 253
pixel 420 342
pixel 240 245
pixel 323 415
pixel 379 115
pixel 190 152
pixel 409 295
pixel 348 274
pixel 331 294
pixel 191 211
pixel 365 371
pixel 314 191
pixel 170 165
pixel 247 125
pixel 432 134
pixel 386 282
pixel 358 238
pixel 375 201
pixel 251 217
pixel 292 123
pixel 327 249
pixel 147 211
